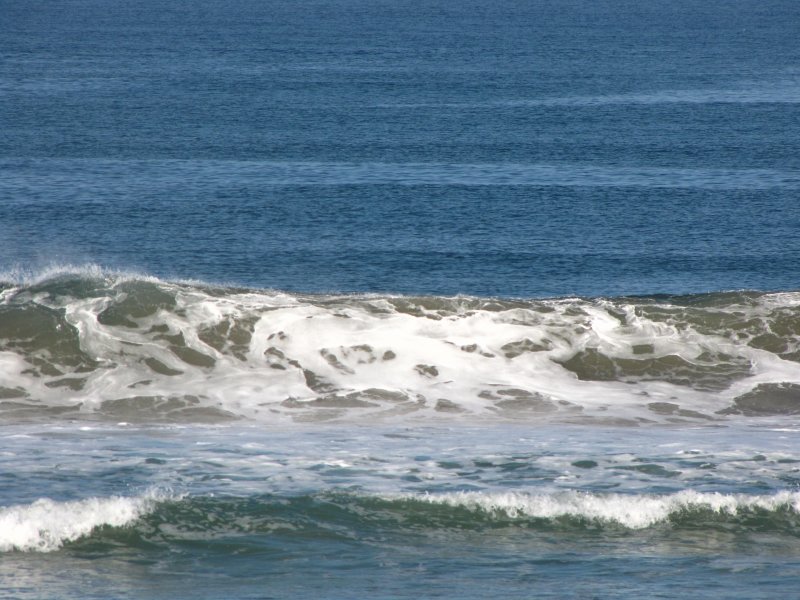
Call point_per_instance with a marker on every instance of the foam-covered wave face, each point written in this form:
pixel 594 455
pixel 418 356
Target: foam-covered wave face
pixel 89 343
pixel 46 525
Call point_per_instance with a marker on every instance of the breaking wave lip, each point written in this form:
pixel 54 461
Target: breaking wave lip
pixel 46 525
pixel 19 276
pixel 163 518
pixel 26 276
pixel 626 510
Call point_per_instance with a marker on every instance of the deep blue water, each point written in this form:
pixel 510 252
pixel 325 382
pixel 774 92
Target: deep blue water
pixel 215 438
pixel 512 149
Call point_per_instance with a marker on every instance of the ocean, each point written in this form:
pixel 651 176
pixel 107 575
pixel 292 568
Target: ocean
pixel 366 299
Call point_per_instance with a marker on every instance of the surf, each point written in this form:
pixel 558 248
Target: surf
pixel 130 347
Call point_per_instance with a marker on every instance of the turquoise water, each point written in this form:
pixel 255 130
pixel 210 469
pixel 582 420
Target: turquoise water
pixel 399 300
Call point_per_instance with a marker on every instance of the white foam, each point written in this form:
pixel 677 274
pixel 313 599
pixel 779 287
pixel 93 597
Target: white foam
pixel 631 511
pixel 45 525
pixel 457 356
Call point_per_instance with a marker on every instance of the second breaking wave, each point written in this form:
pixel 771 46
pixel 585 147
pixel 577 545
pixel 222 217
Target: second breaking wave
pixel 151 521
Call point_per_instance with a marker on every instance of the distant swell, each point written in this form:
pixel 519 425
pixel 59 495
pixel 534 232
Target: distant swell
pixel 94 344
pixel 53 173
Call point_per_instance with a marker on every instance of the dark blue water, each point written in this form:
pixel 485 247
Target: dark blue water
pixel 161 438
pixel 512 149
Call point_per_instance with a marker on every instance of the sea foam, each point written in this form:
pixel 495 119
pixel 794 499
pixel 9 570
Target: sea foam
pixel 130 349
pixel 46 525
pixel 628 510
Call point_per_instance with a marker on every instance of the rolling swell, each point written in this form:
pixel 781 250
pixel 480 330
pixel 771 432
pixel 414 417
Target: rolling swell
pixel 155 521
pixel 90 344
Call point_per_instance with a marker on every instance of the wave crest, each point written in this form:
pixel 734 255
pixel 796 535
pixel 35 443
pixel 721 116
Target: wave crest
pixel 45 525
pixel 629 511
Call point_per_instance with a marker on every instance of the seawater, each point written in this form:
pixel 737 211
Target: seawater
pixel 394 300
pixel 255 511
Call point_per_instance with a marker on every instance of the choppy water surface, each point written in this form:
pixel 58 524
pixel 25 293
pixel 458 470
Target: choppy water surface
pixel 163 437
pixel 94 345
pixel 395 512
pixel 399 300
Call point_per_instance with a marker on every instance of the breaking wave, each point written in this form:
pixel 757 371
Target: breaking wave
pixel 154 520
pixel 628 511
pixel 88 343
pixel 46 525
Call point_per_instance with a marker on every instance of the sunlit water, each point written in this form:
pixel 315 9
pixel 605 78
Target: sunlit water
pixel 416 299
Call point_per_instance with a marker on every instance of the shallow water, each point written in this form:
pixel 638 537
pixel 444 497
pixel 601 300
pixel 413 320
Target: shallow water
pixel 391 511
